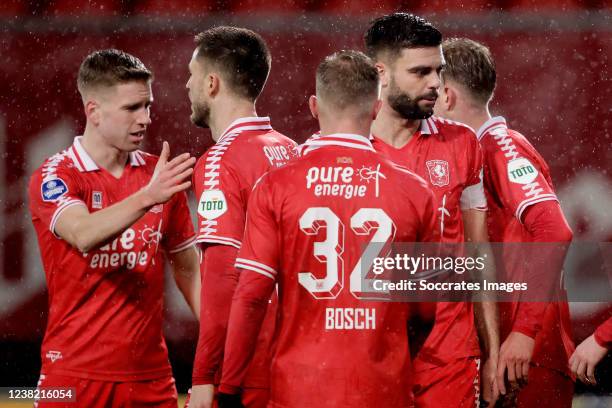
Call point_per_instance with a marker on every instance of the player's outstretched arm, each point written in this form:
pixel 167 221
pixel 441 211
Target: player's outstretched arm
pixel 186 270
pixel 485 311
pixel 85 230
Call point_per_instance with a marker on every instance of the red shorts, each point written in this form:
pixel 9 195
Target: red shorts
pixel 251 398
pixel 455 385
pixel 545 388
pixel 107 394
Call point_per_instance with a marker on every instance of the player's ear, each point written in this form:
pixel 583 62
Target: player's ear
pixel 383 74
pixel 92 111
pixel 450 97
pixel 212 84
pixel 314 107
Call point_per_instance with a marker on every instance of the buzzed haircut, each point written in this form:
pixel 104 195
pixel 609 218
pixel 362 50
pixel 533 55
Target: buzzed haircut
pixel 242 56
pixel 110 67
pixel 470 64
pixel 391 33
pixel 347 79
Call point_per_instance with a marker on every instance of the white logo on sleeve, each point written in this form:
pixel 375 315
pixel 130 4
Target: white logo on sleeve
pixel 521 171
pixel 51 190
pixel 212 204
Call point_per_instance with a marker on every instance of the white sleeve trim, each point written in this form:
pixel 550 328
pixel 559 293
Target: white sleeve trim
pixel 213 239
pixel 181 247
pixel 256 267
pixel 59 212
pixel 523 205
pixel 473 198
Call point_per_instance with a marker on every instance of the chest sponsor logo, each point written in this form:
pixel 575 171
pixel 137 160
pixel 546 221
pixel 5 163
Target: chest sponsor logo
pixel 51 190
pixel 521 171
pixel 96 199
pixel 132 250
pixel 212 204
pixel 439 174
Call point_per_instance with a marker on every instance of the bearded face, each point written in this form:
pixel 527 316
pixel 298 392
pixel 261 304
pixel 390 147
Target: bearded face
pixel 413 108
pixel 200 114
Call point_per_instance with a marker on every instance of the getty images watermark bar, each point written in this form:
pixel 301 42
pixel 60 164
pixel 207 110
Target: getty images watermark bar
pixel 34 394
pixel 503 272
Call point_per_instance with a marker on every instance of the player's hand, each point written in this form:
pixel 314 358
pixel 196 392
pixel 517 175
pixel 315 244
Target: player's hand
pixel 514 357
pixel 587 355
pixel 488 381
pixel 229 400
pixel 169 177
pixel 202 396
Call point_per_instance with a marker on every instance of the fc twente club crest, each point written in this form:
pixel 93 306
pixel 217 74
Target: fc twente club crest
pixel 438 172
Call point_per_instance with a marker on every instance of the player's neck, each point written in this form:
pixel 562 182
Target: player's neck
pixel 228 113
pixel 392 129
pixel 475 116
pixel 348 125
pixel 105 156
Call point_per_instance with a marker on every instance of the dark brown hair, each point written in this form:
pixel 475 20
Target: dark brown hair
pixel 110 67
pixel 471 65
pixel 241 54
pixel 393 32
pixel 347 78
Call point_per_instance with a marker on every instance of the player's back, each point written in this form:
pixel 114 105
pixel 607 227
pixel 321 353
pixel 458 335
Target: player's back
pixel 503 147
pixel 224 176
pixel 223 180
pixel 516 176
pixel 333 336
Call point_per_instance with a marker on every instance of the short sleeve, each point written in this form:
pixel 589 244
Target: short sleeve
pixel 221 206
pixel 260 247
pixel 473 195
pixel 180 234
pixel 52 192
pixel 514 176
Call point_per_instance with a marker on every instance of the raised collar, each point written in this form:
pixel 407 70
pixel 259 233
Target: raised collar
pixel 337 139
pixel 247 123
pixel 83 161
pixel 491 124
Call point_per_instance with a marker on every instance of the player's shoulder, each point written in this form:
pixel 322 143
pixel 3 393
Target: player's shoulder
pixel 501 139
pixel 452 130
pixel 59 163
pixel 280 137
pixel 54 175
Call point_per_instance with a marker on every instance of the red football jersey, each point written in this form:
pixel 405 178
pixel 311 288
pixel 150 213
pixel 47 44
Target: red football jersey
pixel 105 306
pixel 308 223
pixel 446 154
pixel 223 180
pixel 515 177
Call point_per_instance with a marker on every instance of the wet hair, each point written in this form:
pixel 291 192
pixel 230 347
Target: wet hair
pixel 470 64
pixel 241 54
pixel 390 34
pixel 109 67
pixel 347 79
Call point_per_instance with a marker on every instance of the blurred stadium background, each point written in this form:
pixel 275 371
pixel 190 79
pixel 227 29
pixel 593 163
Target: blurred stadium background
pixel 553 59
